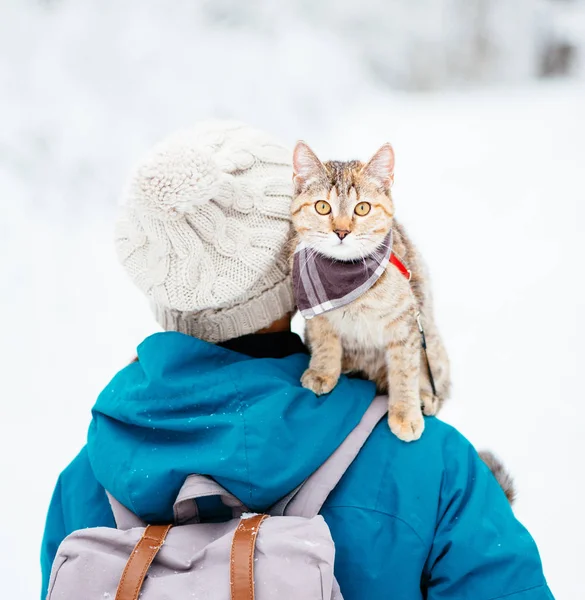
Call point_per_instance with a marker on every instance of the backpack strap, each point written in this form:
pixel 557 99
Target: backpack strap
pixel 308 499
pixel 242 557
pixel 140 560
pixel 185 508
pixel 125 518
pixel 200 486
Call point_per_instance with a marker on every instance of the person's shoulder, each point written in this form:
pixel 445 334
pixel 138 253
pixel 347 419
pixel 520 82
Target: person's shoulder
pixel 441 455
pixel 77 471
pixel 441 446
pixel 409 481
pixel 83 499
pixel 450 454
pixel 439 435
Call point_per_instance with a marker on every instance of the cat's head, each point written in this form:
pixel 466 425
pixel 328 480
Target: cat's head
pixel 343 210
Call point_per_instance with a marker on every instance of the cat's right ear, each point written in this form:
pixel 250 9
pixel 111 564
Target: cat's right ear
pixel 306 167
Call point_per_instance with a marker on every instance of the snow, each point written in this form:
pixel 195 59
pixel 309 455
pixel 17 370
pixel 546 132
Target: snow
pixel 249 515
pixel 488 182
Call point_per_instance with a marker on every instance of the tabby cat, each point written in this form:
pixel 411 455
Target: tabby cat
pixel 344 211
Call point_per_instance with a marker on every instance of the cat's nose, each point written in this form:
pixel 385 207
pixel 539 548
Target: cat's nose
pixel 341 233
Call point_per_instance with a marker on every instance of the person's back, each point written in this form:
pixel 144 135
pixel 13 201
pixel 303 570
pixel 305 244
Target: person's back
pixel 421 520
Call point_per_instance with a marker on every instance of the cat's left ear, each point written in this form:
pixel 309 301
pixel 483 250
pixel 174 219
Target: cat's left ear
pixel 380 167
pixel 306 166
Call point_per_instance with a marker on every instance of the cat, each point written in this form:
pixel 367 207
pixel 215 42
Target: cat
pixel 344 211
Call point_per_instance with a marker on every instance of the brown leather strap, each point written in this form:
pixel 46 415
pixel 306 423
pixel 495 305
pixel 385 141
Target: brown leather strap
pixel 138 564
pixel 242 558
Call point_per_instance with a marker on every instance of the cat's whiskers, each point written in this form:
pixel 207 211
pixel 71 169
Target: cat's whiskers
pixel 362 254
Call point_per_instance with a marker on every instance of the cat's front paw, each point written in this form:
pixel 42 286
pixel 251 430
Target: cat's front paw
pixel 406 423
pixel 320 383
pixel 429 403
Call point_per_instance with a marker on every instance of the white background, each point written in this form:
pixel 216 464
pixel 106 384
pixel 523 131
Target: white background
pixel 489 182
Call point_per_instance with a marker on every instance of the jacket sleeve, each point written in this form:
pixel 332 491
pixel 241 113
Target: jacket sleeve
pixel 480 550
pixel 78 502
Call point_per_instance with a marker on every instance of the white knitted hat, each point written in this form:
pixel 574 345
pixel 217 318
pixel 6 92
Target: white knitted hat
pixel 203 233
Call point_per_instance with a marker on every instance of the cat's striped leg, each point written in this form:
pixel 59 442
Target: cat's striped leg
pixel 326 354
pixel 403 354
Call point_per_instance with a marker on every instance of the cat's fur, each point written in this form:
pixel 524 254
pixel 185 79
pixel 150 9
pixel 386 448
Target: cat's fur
pixel 376 335
pixel 502 475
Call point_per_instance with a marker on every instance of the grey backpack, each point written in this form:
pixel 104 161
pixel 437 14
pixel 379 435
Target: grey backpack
pixel 284 554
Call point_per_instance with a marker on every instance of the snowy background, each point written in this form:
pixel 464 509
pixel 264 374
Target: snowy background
pixel 484 101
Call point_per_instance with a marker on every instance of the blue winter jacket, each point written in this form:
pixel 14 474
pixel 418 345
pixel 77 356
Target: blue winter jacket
pixel 409 521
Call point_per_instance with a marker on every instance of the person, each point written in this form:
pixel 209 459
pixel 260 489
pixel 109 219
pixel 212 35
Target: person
pixel 204 233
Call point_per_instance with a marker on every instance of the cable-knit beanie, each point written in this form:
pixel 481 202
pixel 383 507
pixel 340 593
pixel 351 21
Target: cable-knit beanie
pixel 204 229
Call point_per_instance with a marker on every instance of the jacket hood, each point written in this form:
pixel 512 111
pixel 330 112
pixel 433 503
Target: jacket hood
pixel 187 406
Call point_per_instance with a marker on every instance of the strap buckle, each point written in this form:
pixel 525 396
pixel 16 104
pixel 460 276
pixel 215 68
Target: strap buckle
pixel 419 322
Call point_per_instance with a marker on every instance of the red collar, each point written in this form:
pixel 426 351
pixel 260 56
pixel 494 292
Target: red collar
pixel 400 266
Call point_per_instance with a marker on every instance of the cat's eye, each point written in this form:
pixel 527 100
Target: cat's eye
pixel 363 208
pixel 322 207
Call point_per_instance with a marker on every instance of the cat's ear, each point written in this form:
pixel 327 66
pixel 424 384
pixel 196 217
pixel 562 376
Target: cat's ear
pixel 380 167
pixel 306 166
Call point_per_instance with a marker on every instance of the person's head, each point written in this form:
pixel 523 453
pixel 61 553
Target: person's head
pixel 204 230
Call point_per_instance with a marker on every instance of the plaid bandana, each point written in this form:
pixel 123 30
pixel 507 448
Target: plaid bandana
pixel 322 284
